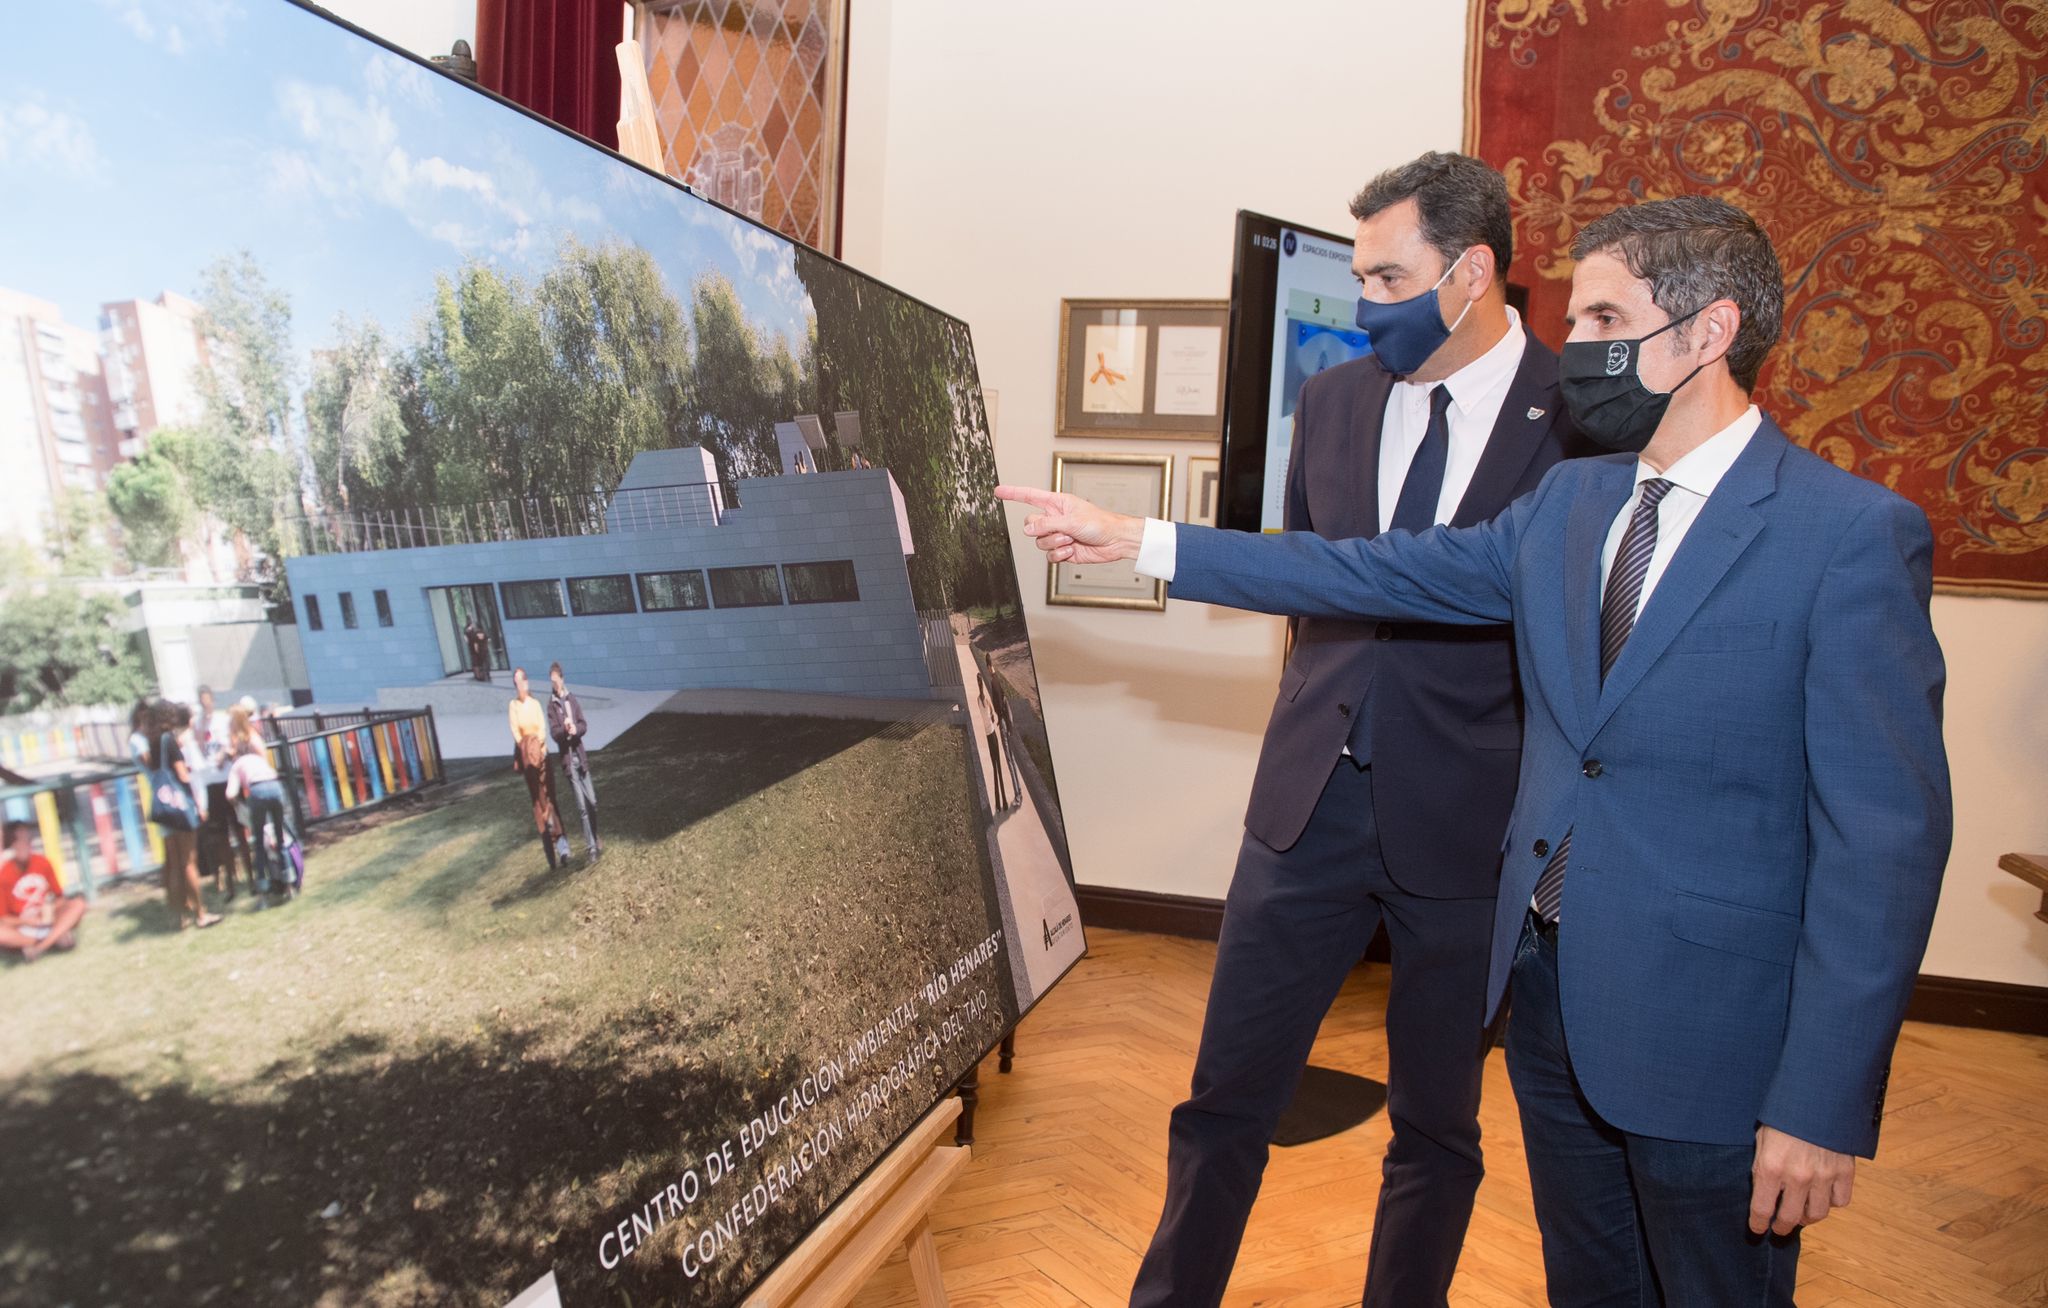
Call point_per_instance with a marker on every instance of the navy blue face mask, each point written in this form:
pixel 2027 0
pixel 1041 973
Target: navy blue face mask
pixel 1405 333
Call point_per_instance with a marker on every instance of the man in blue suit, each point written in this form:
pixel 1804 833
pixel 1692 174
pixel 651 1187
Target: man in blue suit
pixel 1734 806
pixel 1389 764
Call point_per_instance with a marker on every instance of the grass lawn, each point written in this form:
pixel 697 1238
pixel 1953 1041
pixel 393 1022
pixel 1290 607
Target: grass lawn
pixel 447 1068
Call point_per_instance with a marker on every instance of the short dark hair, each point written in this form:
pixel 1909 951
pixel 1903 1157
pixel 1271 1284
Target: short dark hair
pixel 1694 250
pixel 14 829
pixel 554 667
pixel 1462 202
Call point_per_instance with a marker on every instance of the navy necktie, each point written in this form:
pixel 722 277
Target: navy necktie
pixel 1416 509
pixel 1617 619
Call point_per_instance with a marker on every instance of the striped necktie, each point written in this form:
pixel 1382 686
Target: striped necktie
pixel 1617 619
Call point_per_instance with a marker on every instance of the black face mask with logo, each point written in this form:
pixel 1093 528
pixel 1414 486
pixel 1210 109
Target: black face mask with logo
pixel 1605 395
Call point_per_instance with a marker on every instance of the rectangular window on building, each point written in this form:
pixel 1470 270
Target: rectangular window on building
pixel 740 588
pixel 662 592
pixel 348 610
pixel 821 583
pixel 594 596
pixel 532 599
pixel 313 612
pixel 383 599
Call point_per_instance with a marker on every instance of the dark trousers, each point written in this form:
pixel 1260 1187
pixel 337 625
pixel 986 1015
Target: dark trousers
pixel 1628 1220
pixel 1294 925
pixel 576 766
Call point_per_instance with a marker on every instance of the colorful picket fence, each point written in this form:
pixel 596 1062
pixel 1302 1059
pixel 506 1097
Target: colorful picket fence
pixel 346 762
pixel 94 824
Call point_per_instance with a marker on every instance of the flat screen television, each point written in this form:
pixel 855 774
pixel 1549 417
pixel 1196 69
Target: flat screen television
pixel 1293 303
pixel 1292 300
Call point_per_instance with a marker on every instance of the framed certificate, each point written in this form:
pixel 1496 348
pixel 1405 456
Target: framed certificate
pixel 1149 369
pixel 1137 484
pixel 1204 477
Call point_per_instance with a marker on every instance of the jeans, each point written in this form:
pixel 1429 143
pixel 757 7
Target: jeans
pixel 1628 1220
pixel 266 810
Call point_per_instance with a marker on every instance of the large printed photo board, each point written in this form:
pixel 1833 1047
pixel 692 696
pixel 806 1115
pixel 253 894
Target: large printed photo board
pixel 595 653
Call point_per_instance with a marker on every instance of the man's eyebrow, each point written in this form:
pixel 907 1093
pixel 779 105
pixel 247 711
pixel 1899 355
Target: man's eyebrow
pixel 1382 269
pixel 1597 306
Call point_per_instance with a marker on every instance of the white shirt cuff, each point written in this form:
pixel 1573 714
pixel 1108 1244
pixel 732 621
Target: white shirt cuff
pixel 1157 551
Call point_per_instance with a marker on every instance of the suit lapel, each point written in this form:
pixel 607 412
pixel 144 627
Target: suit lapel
pixel 1516 436
pixel 1362 469
pixel 1726 524
pixel 1593 511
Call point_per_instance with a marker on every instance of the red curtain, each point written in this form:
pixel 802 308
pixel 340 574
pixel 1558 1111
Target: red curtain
pixel 556 58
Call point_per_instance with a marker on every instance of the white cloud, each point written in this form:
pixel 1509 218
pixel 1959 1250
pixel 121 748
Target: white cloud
pixel 32 133
pixel 173 25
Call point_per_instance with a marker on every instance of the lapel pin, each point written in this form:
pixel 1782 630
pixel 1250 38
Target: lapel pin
pixel 1535 414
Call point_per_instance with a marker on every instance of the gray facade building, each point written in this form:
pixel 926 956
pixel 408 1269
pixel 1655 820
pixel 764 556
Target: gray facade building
pixel 675 581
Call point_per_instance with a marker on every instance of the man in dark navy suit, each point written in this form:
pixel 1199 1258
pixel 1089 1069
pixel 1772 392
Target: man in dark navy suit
pixel 1389 765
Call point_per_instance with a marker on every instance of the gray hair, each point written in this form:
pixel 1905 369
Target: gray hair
pixel 1694 250
pixel 1462 203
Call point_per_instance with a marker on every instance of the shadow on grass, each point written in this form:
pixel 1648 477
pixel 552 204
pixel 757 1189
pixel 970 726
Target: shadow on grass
pixel 454 1172
pixel 669 772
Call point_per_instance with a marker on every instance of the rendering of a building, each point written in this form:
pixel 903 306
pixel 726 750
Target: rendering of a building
pixel 674 581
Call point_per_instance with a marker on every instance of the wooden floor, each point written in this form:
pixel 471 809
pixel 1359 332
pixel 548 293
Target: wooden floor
pixel 1069 1165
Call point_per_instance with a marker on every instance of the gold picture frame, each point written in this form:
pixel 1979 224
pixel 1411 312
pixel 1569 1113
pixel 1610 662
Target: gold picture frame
pixel 1141 369
pixel 1138 484
pixel 1205 488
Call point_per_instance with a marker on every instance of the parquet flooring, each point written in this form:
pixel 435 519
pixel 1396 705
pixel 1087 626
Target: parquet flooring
pixel 1070 1165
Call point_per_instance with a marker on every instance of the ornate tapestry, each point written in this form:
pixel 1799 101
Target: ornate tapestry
pixel 747 96
pixel 1894 150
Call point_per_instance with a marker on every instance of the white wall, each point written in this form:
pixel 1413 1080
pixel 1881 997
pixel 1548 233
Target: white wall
pixel 1000 157
pixel 425 27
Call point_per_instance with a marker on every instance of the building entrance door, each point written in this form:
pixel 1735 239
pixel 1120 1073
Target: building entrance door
pixel 453 608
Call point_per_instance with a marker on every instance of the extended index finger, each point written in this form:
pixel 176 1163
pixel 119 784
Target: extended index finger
pixel 1047 500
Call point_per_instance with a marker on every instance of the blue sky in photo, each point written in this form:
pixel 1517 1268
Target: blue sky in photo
pixel 140 140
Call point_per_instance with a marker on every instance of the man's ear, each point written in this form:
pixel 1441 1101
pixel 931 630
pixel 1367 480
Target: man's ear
pixel 1719 322
pixel 1476 271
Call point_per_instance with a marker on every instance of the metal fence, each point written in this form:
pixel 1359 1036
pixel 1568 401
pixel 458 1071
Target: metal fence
pixel 523 517
pixel 93 818
pixel 941 659
pixel 94 823
pixel 332 764
pixel 65 735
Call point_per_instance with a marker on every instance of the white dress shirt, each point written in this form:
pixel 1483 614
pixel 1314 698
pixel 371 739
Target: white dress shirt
pixel 1692 479
pixel 1477 391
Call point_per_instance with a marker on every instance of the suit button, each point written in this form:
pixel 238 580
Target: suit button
pixel 1385 631
pixel 1592 768
pixel 1344 710
pixel 1542 848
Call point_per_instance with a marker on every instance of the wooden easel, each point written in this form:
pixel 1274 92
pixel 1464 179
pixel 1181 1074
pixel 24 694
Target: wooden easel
pixel 891 1208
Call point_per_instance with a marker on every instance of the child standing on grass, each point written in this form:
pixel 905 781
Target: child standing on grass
pixel 252 778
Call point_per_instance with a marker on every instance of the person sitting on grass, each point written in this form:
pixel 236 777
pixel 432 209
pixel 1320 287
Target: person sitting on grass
pixel 35 917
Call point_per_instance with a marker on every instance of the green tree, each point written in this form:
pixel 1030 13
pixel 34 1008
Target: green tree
pixel 492 413
pixel 244 472
pixel 80 542
pixel 355 428
pixel 620 344
pixel 909 370
pixel 61 646
pixel 738 386
pixel 152 499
